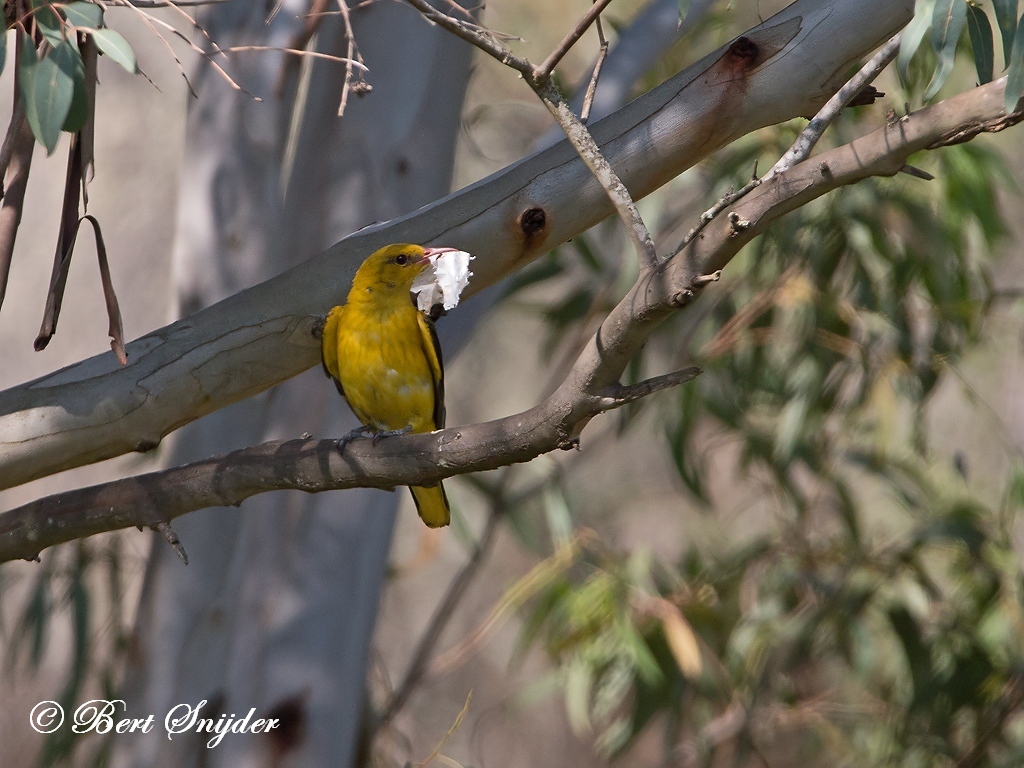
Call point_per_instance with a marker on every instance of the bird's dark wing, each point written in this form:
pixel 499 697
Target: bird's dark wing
pixel 329 346
pixel 432 349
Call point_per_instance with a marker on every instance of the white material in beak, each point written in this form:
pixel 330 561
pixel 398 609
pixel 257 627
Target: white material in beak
pixel 444 281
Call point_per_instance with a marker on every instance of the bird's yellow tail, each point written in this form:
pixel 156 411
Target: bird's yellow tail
pixel 432 504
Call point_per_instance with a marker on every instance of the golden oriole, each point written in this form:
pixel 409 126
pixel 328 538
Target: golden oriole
pixel 385 359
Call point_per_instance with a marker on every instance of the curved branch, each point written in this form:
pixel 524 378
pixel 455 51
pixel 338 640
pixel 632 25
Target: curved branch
pixel 251 341
pixel 305 465
pixel 590 388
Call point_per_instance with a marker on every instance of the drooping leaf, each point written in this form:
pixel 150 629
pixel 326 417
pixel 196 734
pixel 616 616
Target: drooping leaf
pixel 47 87
pixel 1006 18
pixel 1015 75
pixel 981 43
pixel 116 47
pixel 948 21
pixel 115 328
pixel 66 237
pixel 3 52
pixel 84 15
pixel 913 35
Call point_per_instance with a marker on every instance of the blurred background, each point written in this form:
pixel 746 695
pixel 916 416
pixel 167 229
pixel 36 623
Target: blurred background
pixel 811 553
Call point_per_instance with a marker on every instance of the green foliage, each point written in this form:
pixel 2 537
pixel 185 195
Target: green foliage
pixel 871 614
pixel 981 43
pixel 1015 73
pixel 52 73
pixel 943 21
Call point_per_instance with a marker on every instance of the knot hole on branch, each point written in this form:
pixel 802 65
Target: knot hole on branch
pixel 533 222
pixel 744 53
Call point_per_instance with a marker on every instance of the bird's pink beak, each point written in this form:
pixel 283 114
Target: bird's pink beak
pixel 430 252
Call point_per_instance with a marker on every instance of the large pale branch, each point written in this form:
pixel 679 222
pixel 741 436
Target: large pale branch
pixel 590 388
pixel 96 409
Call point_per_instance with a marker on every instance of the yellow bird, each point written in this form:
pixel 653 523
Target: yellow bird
pixel 385 359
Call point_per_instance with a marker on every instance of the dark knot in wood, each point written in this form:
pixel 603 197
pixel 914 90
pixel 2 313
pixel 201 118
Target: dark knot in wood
pixel 744 48
pixel 533 221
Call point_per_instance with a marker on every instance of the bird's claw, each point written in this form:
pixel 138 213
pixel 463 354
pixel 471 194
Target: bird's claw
pixel 352 435
pixel 391 433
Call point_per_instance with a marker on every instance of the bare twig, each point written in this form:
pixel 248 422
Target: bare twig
pixel 165 530
pixel 543 72
pixel 813 131
pixel 174 3
pixel 602 55
pixel 584 144
pixel 724 202
pixel 152 20
pixel 349 63
pixel 353 56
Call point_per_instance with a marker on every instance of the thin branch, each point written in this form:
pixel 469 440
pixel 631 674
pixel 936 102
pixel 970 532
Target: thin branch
pixel 349 63
pixel 724 202
pixel 353 54
pixel 584 144
pixel 813 131
pixel 174 3
pixel 602 55
pixel 421 659
pixel 543 72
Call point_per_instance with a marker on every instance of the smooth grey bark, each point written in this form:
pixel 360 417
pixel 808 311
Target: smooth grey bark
pixel 277 605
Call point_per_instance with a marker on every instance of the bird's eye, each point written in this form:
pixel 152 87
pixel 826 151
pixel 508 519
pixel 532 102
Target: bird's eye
pixel 401 259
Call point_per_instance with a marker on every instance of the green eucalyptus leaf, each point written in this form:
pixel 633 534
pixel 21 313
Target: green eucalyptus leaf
pixel 684 8
pixel 47 88
pixel 982 44
pixel 791 424
pixel 1015 75
pixel 116 47
pixel 3 51
pixel 948 21
pixel 78 113
pixel 84 15
pixel 1006 18
pixel 49 22
pixel 913 35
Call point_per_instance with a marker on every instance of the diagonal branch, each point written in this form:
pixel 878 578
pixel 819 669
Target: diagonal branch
pixel 589 389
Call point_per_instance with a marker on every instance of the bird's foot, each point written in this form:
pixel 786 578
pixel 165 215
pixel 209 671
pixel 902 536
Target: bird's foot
pixel 391 433
pixel 354 434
